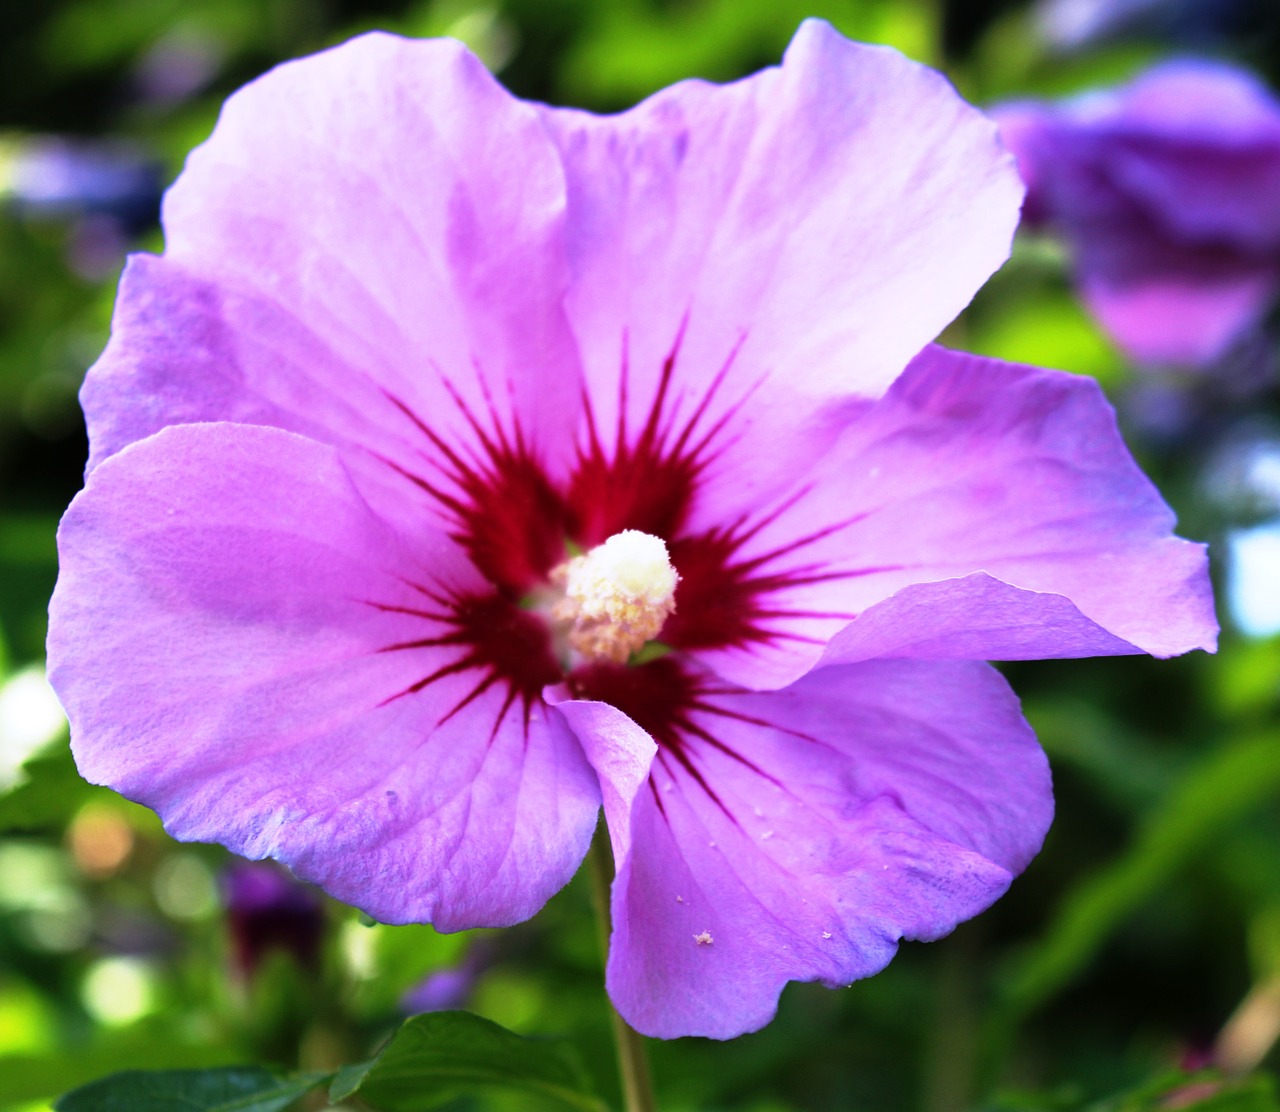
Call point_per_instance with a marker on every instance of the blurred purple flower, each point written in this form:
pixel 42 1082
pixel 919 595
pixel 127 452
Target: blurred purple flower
pixel 268 910
pixel 445 989
pixel 106 193
pixel 1070 25
pixel 179 64
pixel 1167 192
pixel 414 343
pixel 50 175
pixel 440 991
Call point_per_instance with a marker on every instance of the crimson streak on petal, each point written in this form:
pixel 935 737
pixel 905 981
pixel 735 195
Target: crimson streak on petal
pixel 517 525
pixel 495 638
pixel 500 507
pixel 672 704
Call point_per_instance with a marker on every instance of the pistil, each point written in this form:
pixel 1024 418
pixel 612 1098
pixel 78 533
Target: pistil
pixel 616 596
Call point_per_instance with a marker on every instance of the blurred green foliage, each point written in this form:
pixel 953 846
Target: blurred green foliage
pixel 1151 916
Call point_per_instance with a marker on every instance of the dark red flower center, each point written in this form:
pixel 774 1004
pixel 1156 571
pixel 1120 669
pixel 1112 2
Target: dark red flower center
pixel 517 525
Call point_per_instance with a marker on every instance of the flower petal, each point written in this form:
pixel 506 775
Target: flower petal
pixel 862 805
pixel 1170 245
pixel 1188 310
pixel 814 225
pixel 353 281
pixel 228 636
pixel 1197 142
pixel 1165 190
pixel 967 472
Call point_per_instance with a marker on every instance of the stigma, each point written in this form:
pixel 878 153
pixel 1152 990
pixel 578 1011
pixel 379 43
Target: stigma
pixel 616 596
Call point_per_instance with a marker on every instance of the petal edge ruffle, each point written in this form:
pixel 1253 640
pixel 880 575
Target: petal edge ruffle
pixel 865 804
pixel 239 644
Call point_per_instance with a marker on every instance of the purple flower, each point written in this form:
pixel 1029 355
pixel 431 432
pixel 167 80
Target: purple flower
pixel 61 177
pixel 338 589
pixel 268 910
pixel 449 987
pixel 1167 192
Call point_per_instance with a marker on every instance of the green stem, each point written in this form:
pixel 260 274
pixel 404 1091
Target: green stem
pixel 633 1060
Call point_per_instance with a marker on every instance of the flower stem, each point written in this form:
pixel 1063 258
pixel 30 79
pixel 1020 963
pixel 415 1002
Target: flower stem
pixel 633 1061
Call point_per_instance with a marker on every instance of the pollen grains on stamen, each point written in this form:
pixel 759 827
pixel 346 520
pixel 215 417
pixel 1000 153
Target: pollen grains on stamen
pixel 617 596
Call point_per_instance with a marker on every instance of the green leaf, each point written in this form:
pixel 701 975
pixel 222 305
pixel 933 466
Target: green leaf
pixel 231 1089
pixel 148 1045
pixel 51 794
pixel 1213 796
pixel 434 1057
